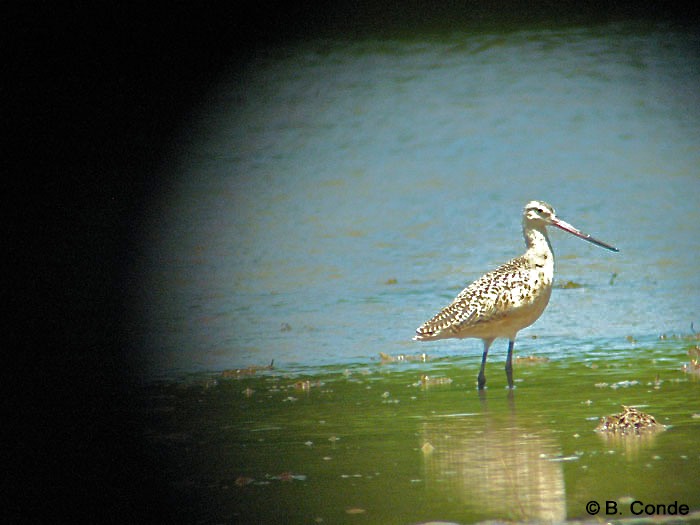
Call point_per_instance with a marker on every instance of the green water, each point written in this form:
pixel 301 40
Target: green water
pixel 370 444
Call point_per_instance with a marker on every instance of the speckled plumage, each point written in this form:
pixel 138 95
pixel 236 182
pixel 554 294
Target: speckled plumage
pixel 498 304
pixel 509 298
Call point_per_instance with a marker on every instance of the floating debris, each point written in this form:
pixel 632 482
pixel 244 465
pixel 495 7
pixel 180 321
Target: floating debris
pixel 355 510
pixel 403 358
pixel 568 285
pixel 695 336
pixel 629 421
pixel 306 385
pixel 624 384
pixel 694 366
pixel 619 384
pixel 285 327
pixel 245 372
pixel 427 381
pixel 531 360
pixel 656 383
pixel 209 383
pixel 242 481
pixel 391 280
pixel 386 396
pixel 288 476
pixel 427 448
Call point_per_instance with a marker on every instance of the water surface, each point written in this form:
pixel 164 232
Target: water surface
pixel 325 171
pixel 374 444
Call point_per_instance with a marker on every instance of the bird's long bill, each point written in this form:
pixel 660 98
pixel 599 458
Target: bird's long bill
pixel 568 228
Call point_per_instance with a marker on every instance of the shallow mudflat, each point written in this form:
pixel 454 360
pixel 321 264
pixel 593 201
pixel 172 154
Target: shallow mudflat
pixel 411 441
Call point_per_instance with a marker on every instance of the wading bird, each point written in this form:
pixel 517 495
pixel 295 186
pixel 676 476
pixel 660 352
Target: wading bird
pixel 509 298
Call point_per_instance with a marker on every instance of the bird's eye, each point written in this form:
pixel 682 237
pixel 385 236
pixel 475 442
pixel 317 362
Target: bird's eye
pixel 540 211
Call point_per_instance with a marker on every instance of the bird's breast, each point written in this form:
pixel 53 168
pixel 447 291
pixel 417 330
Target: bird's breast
pixel 529 288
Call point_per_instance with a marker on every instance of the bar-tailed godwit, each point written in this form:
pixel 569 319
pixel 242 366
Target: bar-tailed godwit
pixel 509 298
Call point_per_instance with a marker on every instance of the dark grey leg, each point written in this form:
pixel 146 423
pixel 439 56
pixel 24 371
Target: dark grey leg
pixel 481 380
pixel 509 364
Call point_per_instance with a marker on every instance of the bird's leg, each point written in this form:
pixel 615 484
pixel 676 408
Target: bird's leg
pixel 509 364
pixel 481 380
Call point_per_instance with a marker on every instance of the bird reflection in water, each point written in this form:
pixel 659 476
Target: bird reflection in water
pixel 496 466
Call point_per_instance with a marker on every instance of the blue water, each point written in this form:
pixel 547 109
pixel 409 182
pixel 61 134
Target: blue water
pixel 333 195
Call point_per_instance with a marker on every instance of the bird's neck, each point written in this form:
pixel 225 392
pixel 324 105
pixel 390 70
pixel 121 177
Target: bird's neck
pixel 538 243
